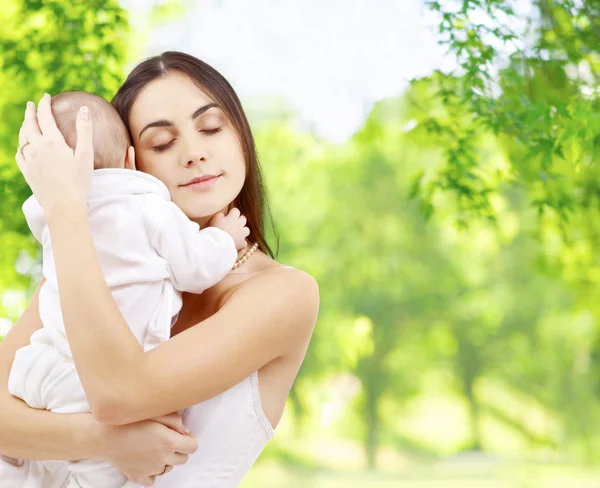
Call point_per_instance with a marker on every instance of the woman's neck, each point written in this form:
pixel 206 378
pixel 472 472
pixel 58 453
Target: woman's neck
pixel 203 221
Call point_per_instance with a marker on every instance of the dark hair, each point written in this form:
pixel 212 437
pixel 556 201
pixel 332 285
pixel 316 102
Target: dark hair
pixel 252 200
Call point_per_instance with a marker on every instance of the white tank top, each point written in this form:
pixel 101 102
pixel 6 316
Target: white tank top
pixel 232 430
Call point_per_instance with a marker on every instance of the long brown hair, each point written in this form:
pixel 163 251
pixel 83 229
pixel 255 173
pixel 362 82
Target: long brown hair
pixel 252 200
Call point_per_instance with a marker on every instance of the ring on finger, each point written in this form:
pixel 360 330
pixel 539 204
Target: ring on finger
pixel 22 146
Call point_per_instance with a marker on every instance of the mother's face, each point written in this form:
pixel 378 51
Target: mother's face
pixel 184 139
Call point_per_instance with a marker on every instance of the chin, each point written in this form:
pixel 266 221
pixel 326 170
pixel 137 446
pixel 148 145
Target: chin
pixel 202 205
pixel 201 211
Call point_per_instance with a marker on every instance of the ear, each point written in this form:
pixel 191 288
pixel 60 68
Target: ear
pixel 130 158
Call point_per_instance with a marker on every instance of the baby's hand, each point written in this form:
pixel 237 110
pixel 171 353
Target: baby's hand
pixel 234 224
pixel 15 462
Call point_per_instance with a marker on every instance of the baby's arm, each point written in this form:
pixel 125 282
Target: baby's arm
pixel 197 259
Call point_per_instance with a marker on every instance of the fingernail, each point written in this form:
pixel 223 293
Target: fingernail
pixel 85 113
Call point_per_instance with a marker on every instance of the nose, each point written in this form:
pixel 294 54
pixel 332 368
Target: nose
pixel 193 153
pixel 194 158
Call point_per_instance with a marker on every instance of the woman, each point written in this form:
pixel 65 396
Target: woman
pixel 189 130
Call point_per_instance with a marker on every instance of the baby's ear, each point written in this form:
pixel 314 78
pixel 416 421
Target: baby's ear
pixel 130 158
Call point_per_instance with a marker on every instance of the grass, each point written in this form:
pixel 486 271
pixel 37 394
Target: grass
pixel 291 462
pixel 271 474
pixel 319 456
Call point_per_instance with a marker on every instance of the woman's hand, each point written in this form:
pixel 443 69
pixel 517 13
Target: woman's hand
pixel 55 173
pixel 142 450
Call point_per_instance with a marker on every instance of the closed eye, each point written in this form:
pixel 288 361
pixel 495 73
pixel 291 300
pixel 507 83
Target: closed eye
pixel 212 131
pixel 163 147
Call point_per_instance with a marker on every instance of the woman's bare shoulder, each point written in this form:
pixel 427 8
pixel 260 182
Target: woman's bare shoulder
pixel 286 277
pixel 289 299
pixel 280 286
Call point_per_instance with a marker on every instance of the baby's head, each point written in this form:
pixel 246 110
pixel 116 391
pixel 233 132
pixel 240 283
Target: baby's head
pixel 111 139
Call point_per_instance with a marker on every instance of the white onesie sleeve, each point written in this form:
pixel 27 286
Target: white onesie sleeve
pixel 34 215
pixel 197 259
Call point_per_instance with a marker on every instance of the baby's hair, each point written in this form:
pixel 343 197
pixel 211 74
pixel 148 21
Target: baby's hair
pixel 111 138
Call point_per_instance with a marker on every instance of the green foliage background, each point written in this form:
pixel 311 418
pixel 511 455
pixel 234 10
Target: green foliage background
pixel 454 236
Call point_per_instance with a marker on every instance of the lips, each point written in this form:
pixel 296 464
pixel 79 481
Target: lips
pixel 201 179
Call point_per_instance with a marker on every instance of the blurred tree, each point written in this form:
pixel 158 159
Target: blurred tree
pixel 389 280
pixel 514 129
pixel 48 46
pixel 533 79
pixel 530 79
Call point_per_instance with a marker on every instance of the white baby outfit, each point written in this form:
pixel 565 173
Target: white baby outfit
pixel 231 429
pixel 149 252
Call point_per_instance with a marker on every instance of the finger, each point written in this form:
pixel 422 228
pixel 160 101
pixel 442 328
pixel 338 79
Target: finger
pixel 143 480
pixel 20 161
pixel 185 444
pixel 84 151
pixel 22 139
pixel 178 459
pixel 31 129
pixel 246 232
pixel 173 421
pixel 234 212
pixel 17 463
pixel 23 148
pixel 167 469
pixel 215 219
pixel 243 220
pixel 46 119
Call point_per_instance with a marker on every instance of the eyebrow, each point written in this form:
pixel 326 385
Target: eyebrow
pixel 168 123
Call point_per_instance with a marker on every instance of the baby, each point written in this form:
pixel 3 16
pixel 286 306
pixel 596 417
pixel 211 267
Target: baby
pixel 149 252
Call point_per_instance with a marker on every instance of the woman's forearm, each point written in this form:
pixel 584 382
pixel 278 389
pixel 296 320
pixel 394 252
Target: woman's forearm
pixel 26 433
pixel 107 354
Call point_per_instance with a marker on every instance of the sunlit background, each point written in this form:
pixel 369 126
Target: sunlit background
pixel 434 165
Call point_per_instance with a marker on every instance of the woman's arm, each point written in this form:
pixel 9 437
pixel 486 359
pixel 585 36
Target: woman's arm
pixel 261 321
pixel 139 450
pixel 37 434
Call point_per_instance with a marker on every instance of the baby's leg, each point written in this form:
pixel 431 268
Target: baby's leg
pixel 56 474
pixel 89 474
pixel 22 474
pixel 44 379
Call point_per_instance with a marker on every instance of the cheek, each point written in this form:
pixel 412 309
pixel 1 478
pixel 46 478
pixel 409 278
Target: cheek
pixel 237 163
pixel 151 164
pixel 237 171
pixel 243 171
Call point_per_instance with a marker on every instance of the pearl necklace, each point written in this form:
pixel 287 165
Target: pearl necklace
pixel 245 257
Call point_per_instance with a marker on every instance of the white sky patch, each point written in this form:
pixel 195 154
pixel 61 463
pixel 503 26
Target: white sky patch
pixel 331 60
